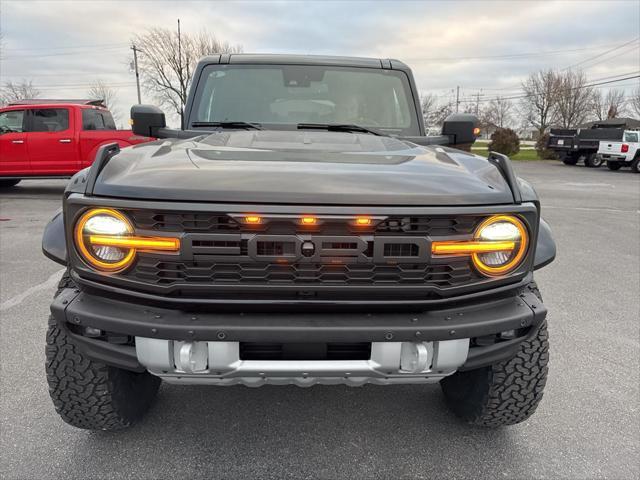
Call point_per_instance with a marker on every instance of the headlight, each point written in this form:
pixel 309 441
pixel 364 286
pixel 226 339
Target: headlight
pixel 509 238
pixel 499 245
pixel 106 241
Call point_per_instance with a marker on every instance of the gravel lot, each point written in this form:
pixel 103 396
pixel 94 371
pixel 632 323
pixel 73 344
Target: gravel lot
pixel 586 427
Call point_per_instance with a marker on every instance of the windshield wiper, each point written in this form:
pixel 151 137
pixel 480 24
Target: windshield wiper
pixel 247 125
pixel 339 127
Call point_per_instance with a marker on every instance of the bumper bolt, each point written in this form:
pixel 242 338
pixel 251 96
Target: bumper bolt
pixel 64 302
pixel 418 334
pixel 452 332
pixel 221 335
pixel 154 330
pixel 447 318
pixel 76 320
pixel 388 336
pixel 523 323
pixel 191 333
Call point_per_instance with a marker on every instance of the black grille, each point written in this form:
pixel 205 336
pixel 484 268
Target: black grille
pixel 220 223
pixel 154 271
pixel 433 226
pixel 183 222
pixel 305 351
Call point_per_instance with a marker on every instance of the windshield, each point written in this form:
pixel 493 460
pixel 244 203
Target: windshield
pixel 283 96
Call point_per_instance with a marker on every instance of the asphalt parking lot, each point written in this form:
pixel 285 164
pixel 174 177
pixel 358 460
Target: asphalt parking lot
pixel 587 426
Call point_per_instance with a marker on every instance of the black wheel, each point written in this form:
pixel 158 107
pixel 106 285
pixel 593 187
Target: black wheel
pixel 635 165
pixel 593 160
pixel 505 393
pixel 614 165
pixel 89 394
pixel 9 182
pixel 570 160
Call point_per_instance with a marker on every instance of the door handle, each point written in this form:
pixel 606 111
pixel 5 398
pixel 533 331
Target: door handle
pixel 65 140
pixel 17 141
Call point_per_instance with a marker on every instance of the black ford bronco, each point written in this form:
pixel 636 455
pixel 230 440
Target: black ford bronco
pixel 299 229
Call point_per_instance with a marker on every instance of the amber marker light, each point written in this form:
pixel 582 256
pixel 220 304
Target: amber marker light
pixel 499 245
pixel 253 219
pixel 363 221
pixel 140 243
pixel 309 220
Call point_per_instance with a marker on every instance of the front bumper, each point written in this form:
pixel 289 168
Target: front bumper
pixel 203 347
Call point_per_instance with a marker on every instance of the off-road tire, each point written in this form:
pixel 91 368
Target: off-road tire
pixel 593 161
pixel 614 165
pixel 89 394
pixel 9 182
pixel 504 393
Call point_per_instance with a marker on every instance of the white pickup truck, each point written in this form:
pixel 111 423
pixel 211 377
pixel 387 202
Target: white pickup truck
pixel 620 154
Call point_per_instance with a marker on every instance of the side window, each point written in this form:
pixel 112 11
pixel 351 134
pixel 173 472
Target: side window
pixel 97 120
pixel 107 121
pixel 91 120
pixel 11 121
pixel 49 120
pixel 631 137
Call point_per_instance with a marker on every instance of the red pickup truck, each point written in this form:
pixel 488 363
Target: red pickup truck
pixel 54 138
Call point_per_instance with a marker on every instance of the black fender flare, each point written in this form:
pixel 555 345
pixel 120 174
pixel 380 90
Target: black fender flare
pixel 545 246
pixel 54 244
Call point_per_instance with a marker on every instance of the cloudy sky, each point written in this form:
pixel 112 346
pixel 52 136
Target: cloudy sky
pixel 483 47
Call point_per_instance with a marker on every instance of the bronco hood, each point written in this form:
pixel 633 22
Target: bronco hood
pixel 302 167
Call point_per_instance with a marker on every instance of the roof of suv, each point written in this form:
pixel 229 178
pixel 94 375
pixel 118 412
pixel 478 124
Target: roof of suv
pixel 286 59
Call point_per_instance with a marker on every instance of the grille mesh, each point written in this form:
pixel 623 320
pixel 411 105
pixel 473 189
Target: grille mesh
pixel 151 270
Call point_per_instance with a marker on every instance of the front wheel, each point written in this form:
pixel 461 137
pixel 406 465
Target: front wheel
pixel 9 182
pixel 504 393
pixel 89 394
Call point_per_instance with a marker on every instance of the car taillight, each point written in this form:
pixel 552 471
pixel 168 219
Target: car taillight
pixel 624 148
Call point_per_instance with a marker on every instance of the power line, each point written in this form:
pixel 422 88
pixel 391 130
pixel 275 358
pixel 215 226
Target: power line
pixel 69 47
pixel 44 55
pixel 595 84
pixel 602 54
pixel 513 55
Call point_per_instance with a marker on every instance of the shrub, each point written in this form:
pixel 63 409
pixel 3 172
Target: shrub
pixel 505 141
pixel 541 148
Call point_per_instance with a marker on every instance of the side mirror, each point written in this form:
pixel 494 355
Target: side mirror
pixel 461 128
pixel 146 120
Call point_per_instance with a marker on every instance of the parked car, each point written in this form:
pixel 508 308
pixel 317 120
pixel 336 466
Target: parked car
pixel 54 138
pixel 622 154
pixel 301 229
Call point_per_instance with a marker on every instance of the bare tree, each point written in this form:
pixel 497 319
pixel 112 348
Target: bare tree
pixel 12 92
pixel 497 113
pixel 634 100
pixel 166 62
pixel 101 91
pixel 574 98
pixel 608 105
pixel 539 106
pixel 429 104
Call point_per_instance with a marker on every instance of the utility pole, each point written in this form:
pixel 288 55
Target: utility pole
pixel 457 98
pixel 478 102
pixel 135 66
pixel 182 92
